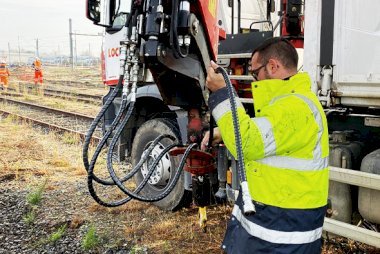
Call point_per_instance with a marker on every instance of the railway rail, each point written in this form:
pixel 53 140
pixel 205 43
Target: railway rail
pixel 51 118
pixel 74 83
pixel 87 98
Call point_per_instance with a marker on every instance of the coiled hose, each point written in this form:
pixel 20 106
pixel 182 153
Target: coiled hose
pixel 248 206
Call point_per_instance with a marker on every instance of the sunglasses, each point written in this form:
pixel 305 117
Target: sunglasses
pixel 255 72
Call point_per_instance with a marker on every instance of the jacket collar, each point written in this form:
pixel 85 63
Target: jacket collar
pixel 265 90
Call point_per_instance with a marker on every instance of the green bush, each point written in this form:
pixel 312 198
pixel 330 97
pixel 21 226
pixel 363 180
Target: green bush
pixel 57 234
pixel 90 239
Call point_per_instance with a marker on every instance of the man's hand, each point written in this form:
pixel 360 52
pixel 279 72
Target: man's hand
pixel 214 80
pixel 217 138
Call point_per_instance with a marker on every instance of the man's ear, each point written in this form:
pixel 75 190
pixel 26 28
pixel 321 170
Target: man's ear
pixel 273 66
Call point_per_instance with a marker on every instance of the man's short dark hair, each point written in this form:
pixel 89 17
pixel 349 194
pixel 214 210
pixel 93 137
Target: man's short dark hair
pixel 280 49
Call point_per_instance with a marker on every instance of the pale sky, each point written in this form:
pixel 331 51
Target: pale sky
pixel 24 21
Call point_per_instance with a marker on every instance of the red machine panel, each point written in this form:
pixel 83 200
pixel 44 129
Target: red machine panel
pixel 208 11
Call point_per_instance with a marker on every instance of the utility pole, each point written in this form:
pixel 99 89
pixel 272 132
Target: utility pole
pixel 76 52
pixel 37 50
pixel 9 53
pixel 71 45
pixel 19 51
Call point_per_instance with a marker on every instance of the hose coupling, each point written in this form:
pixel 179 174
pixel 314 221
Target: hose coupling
pixel 248 206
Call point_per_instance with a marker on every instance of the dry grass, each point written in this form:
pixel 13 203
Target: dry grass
pixel 20 151
pixel 29 154
pixel 25 152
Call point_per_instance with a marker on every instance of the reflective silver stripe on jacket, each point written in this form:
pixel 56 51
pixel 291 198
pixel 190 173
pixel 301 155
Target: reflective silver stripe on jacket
pixel 317 163
pixel 317 116
pixel 224 107
pixel 266 130
pixel 295 163
pixel 276 236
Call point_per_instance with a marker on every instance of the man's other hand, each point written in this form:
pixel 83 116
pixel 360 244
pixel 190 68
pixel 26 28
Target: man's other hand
pixel 217 138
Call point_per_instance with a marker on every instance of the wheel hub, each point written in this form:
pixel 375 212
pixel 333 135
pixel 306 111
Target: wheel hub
pixel 161 173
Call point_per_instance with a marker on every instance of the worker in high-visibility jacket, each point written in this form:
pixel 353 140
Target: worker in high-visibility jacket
pixel 285 149
pixel 4 74
pixel 38 76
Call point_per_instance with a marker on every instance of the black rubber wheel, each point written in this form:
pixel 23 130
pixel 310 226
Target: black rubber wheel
pixel 166 169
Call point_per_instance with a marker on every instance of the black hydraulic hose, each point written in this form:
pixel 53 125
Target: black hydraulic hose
pixel 127 177
pixel 240 158
pixel 117 134
pixel 145 156
pixel 110 153
pixel 172 27
pixel 166 191
pixel 247 200
pixel 96 121
pixel 211 133
pixel 91 176
pixel 127 199
pixel 145 180
pixel 103 142
pixel 101 113
pixel 174 34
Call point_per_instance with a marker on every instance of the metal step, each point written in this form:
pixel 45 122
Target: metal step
pixel 230 56
pixel 241 77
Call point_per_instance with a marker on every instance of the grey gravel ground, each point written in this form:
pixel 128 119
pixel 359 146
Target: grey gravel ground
pixel 16 236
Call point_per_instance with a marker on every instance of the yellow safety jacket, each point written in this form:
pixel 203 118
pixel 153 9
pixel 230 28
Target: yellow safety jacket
pixel 285 145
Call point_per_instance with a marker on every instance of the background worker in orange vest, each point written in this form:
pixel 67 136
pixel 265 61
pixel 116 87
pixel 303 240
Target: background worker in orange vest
pixel 37 65
pixel 4 74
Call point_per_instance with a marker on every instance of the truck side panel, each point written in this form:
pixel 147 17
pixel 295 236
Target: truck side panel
pixel 356 50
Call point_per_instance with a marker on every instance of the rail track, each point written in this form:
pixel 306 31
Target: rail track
pixel 74 83
pixel 58 120
pixel 87 98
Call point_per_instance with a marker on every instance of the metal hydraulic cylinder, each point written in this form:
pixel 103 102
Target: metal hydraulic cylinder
pixel 222 167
